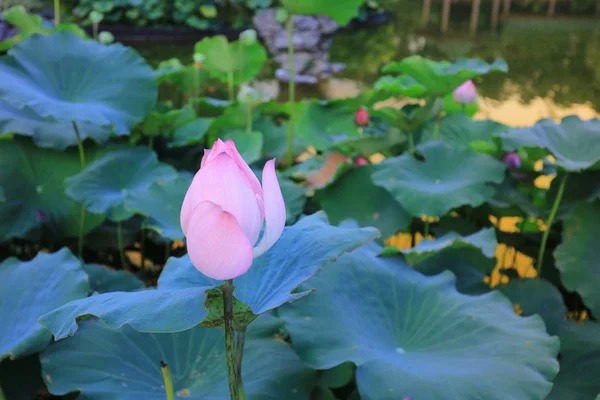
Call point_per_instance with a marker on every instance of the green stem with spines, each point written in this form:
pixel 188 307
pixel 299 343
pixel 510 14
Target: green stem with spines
pixel 292 90
pixel 549 222
pixel 168 379
pixel 230 353
pixel 83 212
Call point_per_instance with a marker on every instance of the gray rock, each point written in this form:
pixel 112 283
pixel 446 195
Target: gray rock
pixel 312 41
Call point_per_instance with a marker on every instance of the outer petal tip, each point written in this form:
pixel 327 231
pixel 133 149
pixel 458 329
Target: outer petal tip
pixel 274 206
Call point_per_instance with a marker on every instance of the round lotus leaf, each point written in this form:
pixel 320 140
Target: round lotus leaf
pixel 62 77
pixel 179 302
pixel 105 185
pixel 104 279
pixel 578 256
pixel 121 364
pixel 161 203
pixel 33 180
pixel 460 130
pixel 342 11
pixel 355 196
pixel 413 336
pixel 29 290
pixel 537 296
pixel 574 143
pixel 449 177
pixel 442 77
pixel 45 133
pixel 579 362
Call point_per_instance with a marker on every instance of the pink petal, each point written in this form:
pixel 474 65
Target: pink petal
pixel 274 209
pixel 223 183
pixel 216 244
pixel 233 152
pixel 205 157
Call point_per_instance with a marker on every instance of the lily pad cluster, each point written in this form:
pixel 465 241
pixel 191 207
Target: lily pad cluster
pixel 388 282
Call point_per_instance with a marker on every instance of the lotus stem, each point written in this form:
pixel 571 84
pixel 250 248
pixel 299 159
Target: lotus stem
pixel 95 30
pixel 249 119
pixel 83 209
pixel 142 252
pixel 436 127
pixel 167 250
pixel 559 195
pixel 230 340
pixel 292 90
pixel 166 373
pixel 56 12
pixel 120 245
pixel 239 353
pixel 151 142
pixel 230 88
pixel 426 229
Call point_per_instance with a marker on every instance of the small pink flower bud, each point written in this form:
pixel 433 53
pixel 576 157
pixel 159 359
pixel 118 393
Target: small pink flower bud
pixel 362 117
pixel 360 161
pixel 512 160
pixel 465 93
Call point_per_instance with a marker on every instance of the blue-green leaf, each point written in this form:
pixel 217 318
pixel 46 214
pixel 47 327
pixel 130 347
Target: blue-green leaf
pixel 122 364
pixel 574 143
pixel 31 289
pixel 394 322
pixel 105 184
pixel 449 177
pixel 104 279
pixel 62 77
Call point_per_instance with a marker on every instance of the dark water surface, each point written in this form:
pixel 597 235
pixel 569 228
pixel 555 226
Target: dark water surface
pixel 554 63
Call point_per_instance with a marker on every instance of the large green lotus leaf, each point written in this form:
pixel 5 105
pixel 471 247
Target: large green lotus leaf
pixel 49 134
pixel 65 78
pixel 459 129
pixel 300 253
pixel 403 85
pixel 275 137
pixel 508 200
pixel 162 204
pixel 449 177
pixel 354 196
pixel 21 378
pixel 441 78
pixel 574 143
pixel 323 125
pixel 105 185
pixel 164 121
pixel 31 289
pixel 484 240
pixel 179 302
pixel 342 11
pixel 537 296
pixel 104 279
pixel 191 133
pixel 33 180
pixel 579 362
pixel 580 187
pixel 243 61
pixel 394 322
pixel 578 256
pixel 2 197
pixel 122 364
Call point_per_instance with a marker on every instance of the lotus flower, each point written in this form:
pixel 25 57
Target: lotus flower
pixel 360 161
pixel 362 117
pixel 465 93
pixel 512 160
pixel 223 213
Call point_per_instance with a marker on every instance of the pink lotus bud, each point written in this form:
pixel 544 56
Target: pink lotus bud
pixel 360 161
pixel 512 160
pixel 224 210
pixel 465 93
pixel 362 117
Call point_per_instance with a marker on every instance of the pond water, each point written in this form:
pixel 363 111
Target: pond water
pixel 554 63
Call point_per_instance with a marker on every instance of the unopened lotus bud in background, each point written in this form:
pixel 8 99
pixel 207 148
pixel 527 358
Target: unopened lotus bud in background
pixel 224 210
pixel 199 59
pixel 248 37
pixel 250 95
pixel 512 160
pixel 360 162
pixel 105 37
pixel 465 93
pixel 362 117
pixel 96 17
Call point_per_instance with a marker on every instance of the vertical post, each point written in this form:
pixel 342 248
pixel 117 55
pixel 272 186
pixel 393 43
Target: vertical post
pixel 426 12
pixel 506 10
pixel 474 16
pixel 495 12
pixel 445 15
pixel 551 7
